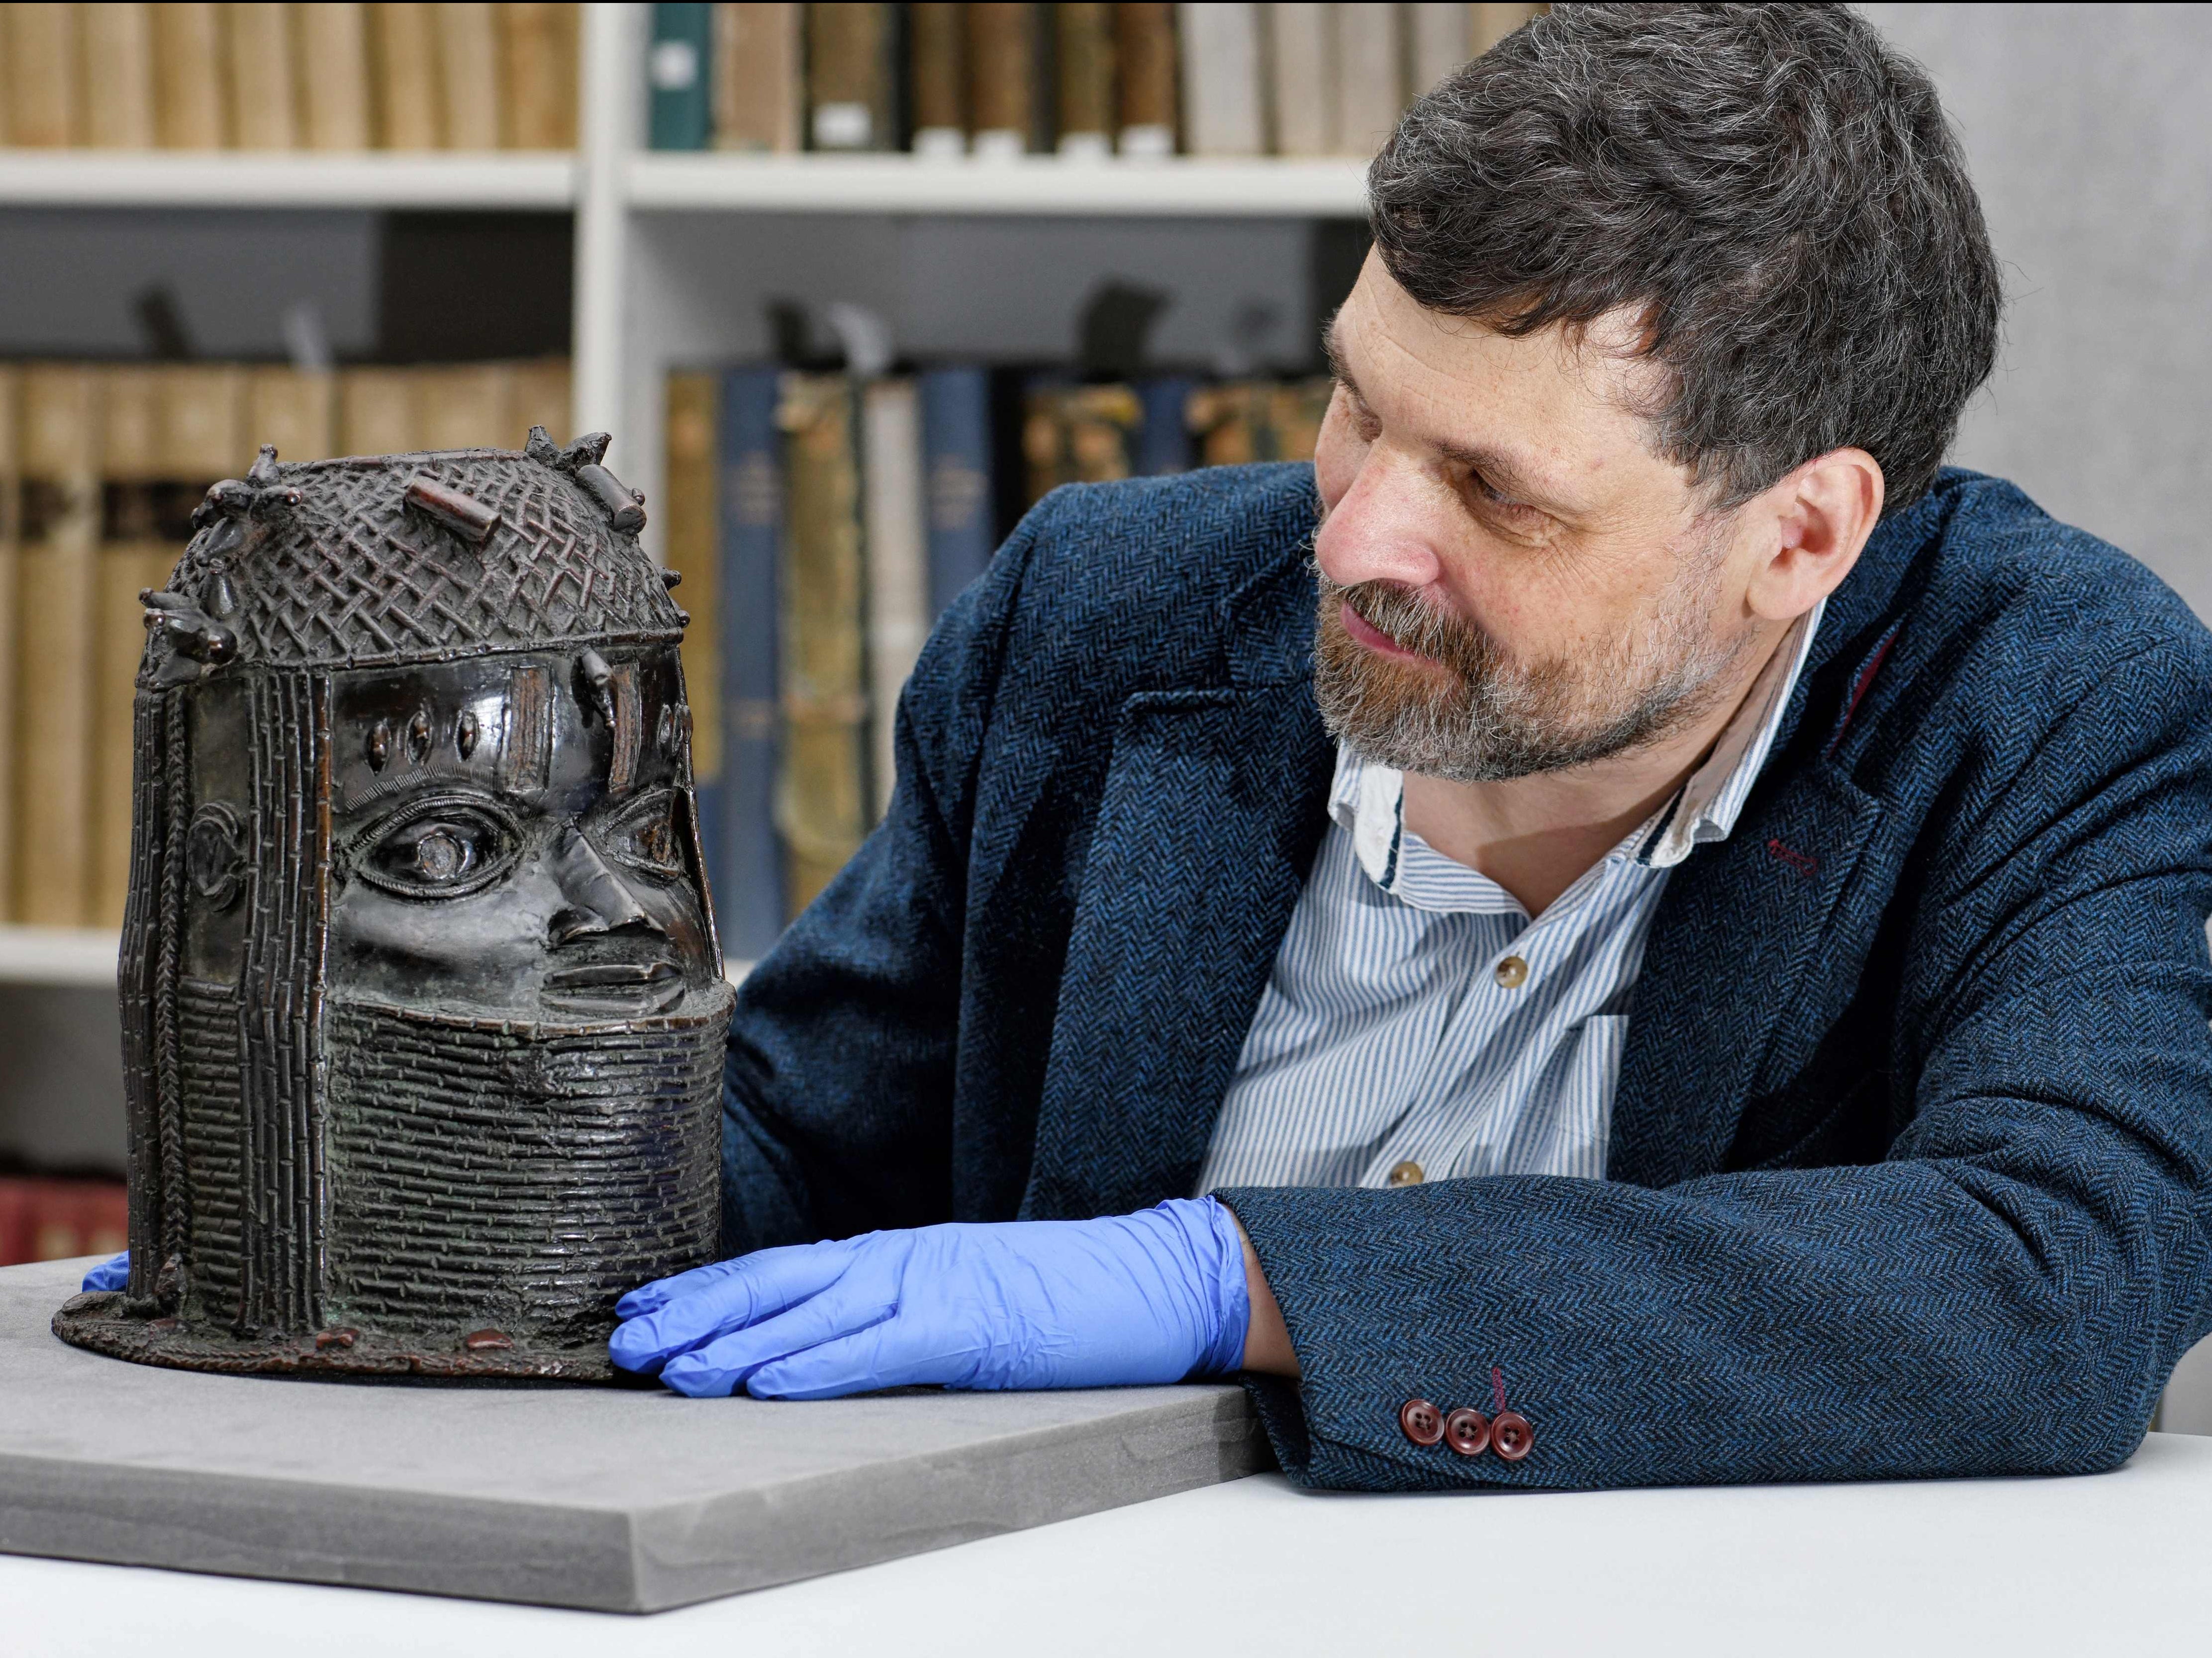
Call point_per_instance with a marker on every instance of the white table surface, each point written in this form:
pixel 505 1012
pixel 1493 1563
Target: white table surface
pixel 2118 1563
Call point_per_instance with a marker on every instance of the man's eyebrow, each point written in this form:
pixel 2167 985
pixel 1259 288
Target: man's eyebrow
pixel 1495 466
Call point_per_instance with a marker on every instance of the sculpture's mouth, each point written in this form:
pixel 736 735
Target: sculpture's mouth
pixel 620 988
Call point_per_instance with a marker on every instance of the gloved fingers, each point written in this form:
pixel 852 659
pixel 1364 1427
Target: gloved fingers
pixel 652 1298
pixel 111 1274
pixel 892 1354
pixel 755 1287
pixel 719 1366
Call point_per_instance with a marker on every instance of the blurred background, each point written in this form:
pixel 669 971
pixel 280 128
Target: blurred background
pixel 851 285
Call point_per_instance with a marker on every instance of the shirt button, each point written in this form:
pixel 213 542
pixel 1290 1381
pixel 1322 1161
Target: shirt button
pixel 1406 1174
pixel 1468 1431
pixel 1512 973
pixel 1423 1422
pixel 1511 1436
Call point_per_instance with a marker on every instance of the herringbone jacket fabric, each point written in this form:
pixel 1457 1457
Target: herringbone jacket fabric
pixel 1910 1166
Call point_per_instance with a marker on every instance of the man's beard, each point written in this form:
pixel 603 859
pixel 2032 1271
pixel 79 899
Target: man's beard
pixel 1485 717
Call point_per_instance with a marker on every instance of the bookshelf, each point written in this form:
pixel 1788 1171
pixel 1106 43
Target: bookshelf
pixel 1259 188
pixel 169 179
pixel 650 225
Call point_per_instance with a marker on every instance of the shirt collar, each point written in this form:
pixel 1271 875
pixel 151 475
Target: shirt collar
pixel 1368 799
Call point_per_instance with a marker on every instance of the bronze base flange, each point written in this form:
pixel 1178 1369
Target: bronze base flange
pixel 100 1322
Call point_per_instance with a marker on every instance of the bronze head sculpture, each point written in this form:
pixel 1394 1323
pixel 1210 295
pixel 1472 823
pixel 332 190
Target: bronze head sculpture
pixel 424 1011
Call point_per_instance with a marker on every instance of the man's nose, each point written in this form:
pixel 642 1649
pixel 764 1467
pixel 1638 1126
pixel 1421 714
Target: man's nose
pixel 598 899
pixel 1385 527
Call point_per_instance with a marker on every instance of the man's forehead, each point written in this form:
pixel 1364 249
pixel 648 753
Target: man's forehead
pixel 1553 414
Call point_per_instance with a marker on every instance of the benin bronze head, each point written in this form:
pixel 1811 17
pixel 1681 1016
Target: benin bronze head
pixel 424 1011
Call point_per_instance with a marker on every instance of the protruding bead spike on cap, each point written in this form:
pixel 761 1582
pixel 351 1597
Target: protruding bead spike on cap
pixel 541 448
pixel 263 473
pixel 463 514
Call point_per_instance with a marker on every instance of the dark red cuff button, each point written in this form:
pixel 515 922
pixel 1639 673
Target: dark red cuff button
pixel 1423 1422
pixel 1468 1431
pixel 1511 1436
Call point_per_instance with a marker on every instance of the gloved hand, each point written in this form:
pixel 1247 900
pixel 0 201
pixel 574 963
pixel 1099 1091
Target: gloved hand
pixel 110 1274
pixel 1149 1297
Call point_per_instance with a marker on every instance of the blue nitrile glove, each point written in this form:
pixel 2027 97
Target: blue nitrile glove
pixel 1149 1297
pixel 110 1274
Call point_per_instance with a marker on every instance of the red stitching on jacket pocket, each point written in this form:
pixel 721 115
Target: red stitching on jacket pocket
pixel 1803 863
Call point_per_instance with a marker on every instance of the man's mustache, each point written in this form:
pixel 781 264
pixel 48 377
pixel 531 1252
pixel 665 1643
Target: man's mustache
pixel 1420 626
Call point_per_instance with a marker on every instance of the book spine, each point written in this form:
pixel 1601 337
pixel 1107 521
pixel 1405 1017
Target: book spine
pixel 10 527
pixel 1295 410
pixel 822 795
pixel 1002 54
pixel 376 412
pixel 333 47
pixel 130 543
pixel 404 66
pixel 1225 421
pixel 189 69
pixel 42 59
pixel 1083 62
pixel 468 77
pixel 849 81
pixel 1370 76
pixel 749 901
pixel 263 86
pixel 1438 39
pixel 60 451
pixel 466 406
pixel 295 409
pixel 43 1219
pixel 677 69
pixel 1161 444
pixel 1221 86
pixel 898 563
pixel 955 437
pixel 938 66
pixel 119 76
pixel 544 396
pixel 1302 104
pixel 538 44
pixel 759 85
pixel 1146 75
pixel 688 529
pixel 1077 435
pixel 1489 24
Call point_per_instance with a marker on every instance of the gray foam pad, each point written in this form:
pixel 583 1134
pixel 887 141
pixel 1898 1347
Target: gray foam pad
pixel 612 1499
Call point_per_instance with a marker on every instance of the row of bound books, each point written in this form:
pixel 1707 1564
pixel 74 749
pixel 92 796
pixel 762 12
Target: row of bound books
pixel 275 77
pixel 1081 80
pixel 46 1218
pixel 821 523
pixel 101 467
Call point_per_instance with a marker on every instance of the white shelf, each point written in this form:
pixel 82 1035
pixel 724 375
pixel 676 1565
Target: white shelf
pixel 284 179
pixel 86 957
pixel 1184 186
pixel 57 955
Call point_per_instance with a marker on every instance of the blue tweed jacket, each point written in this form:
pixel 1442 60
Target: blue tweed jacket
pixel 1911 1157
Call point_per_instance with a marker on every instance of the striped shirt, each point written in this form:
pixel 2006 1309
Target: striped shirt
pixel 1418 1025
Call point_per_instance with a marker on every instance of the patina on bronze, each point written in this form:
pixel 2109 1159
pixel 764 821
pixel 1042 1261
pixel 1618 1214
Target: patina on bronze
pixel 423 1007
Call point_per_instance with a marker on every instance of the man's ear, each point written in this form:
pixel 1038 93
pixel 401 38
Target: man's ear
pixel 1814 522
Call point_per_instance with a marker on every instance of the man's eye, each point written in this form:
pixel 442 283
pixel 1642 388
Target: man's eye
pixel 439 853
pixel 647 837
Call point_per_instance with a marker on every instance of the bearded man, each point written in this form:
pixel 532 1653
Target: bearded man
pixel 1623 928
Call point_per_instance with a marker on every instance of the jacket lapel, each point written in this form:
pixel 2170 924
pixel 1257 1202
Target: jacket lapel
pixel 1723 999
pixel 1214 803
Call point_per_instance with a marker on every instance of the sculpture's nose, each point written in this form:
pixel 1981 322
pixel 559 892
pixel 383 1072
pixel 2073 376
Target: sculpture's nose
pixel 597 899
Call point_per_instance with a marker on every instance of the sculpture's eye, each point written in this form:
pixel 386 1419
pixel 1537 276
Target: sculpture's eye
pixel 438 849
pixel 645 836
